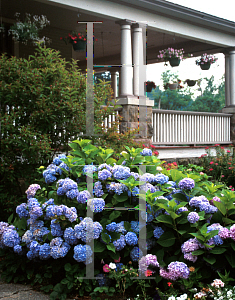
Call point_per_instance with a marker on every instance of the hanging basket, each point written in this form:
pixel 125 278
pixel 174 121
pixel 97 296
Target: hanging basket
pixel 205 66
pixel 174 62
pixel 149 88
pixel 80 46
pixel 191 82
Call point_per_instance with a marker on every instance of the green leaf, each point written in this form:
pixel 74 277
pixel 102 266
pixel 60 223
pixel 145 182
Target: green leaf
pixel 9 220
pixel 176 175
pixel 179 196
pixel 217 250
pixel 198 252
pixel 67 267
pixel 220 207
pixel 210 260
pixel 114 215
pixel 105 237
pixel 230 259
pixel 98 246
pixel 111 247
pixel 167 239
pixel 64 281
pixel 111 161
pixel 164 219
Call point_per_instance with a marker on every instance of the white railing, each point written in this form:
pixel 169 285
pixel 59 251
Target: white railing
pixel 172 127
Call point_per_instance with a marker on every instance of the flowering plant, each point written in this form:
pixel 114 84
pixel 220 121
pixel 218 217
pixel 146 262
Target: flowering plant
pixel 206 59
pixel 74 36
pixel 28 29
pixel 169 53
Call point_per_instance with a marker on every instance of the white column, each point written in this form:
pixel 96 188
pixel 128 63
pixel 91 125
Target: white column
pixel 232 77
pixel 139 70
pixel 114 83
pixel 126 84
pixel 227 80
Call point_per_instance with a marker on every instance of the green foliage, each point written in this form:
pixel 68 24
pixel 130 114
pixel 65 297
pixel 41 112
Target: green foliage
pixel 220 167
pixel 43 100
pixel 212 98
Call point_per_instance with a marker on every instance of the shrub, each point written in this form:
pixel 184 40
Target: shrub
pixel 43 104
pixel 220 167
pixel 189 225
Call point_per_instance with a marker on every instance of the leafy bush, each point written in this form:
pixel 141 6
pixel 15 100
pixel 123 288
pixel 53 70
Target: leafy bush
pixel 189 226
pixel 220 167
pixel 43 105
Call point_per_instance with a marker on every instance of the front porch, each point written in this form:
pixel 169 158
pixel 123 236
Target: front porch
pixel 130 35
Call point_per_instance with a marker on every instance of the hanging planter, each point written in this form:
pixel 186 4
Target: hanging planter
pixel 78 41
pixel 174 62
pixel 205 66
pixel 79 46
pixel 190 82
pixel 205 61
pixel 174 56
pixel 149 86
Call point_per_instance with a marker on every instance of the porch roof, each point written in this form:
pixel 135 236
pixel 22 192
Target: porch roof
pixel 168 25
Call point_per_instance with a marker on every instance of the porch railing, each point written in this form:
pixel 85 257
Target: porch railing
pixel 190 128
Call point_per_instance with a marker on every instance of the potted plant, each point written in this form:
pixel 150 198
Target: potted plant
pixel 28 29
pixel 205 61
pixel 174 56
pixel 149 86
pixel 173 86
pixel 77 39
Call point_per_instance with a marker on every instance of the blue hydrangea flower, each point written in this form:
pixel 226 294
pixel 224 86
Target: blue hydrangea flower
pixel 90 169
pixel 58 248
pixel 87 230
pixel 106 166
pixel 82 253
pixel 161 178
pixel 96 204
pixel 181 209
pixel 103 280
pixel 186 184
pixel 136 253
pixel 131 238
pixel 66 185
pixel 135 191
pixel 147 177
pixel 32 189
pixel 56 228
pixel 18 249
pixel 121 172
pixel 193 217
pixel 22 211
pixel 135 175
pixel 118 188
pixel 63 166
pixel 48 202
pixel 10 238
pixel 44 251
pixel 146 152
pixel 57 160
pixel 120 243
pixel 71 213
pixel 73 193
pixel 32 202
pixel 118 266
pixel 148 187
pixel 172 183
pixel 35 212
pixel 98 191
pixel 158 231
pixel 51 211
pixel 120 228
pixel 112 227
pixel 104 174
pixel 83 197
pixel 28 237
pixel 69 236
pixel 34 248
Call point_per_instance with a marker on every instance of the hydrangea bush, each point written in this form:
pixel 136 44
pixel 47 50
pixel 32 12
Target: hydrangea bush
pixel 87 211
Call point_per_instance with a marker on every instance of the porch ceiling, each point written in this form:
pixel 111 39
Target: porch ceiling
pixel 107 48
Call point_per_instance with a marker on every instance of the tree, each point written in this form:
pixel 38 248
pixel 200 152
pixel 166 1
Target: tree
pixel 43 107
pixel 212 98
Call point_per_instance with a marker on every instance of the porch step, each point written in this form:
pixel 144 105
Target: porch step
pixel 175 152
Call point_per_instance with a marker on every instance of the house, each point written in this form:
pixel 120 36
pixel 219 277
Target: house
pixel 130 34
